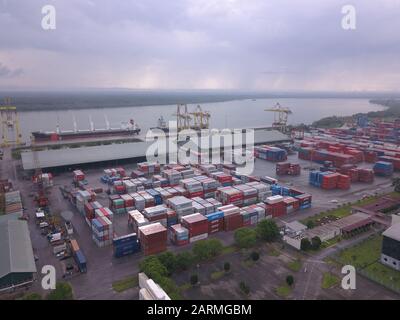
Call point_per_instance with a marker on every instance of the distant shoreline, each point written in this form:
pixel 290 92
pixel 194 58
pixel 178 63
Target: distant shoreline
pixel 67 101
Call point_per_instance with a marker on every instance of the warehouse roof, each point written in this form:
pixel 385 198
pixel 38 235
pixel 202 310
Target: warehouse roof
pixel 64 156
pixel 352 221
pixel 16 254
pixel 296 226
pixel 393 232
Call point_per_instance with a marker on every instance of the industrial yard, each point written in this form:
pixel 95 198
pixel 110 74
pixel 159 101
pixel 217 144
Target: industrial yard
pixel 122 214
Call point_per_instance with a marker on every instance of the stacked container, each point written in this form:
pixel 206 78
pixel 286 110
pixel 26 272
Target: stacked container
pixel 232 217
pixel 153 238
pixel 249 216
pixel 78 176
pixel 173 176
pixel 102 231
pixel 271 153
pixel 13 202
pixel 230 195
pixel 215 221
pixel 90 208
pixel 197 225
pixel 136 220
pixel 250 194
pixel 139 201
pixel 383 168
pixel 262 190
pixel 181 205
pixel 179 235
pixel 126 245
pixel 156 195
pixel 157 213
pixel 276 207
pixel 193 187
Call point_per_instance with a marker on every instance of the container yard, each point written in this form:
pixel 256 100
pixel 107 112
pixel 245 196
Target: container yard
pixel 122 213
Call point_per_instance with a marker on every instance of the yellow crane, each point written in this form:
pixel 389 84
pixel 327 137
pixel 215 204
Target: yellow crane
pixel 201 118
pixel 281 115
pixel 9 124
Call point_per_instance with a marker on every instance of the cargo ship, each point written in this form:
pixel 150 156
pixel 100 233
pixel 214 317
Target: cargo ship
pixel 130 129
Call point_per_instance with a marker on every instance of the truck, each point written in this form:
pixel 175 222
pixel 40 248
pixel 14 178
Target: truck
pixel 78 255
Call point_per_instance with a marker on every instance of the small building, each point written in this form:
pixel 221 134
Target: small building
pixel 390 254
pixel 354 224
pixel 17 263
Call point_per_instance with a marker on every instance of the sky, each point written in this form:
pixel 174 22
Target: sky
pixel 263 45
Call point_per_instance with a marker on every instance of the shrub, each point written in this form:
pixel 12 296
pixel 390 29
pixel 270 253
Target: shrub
pixel 289 280
pixel 194 279
pixel 227 266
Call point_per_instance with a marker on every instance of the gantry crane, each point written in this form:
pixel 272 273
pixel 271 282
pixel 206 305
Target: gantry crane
pixel 196 120
pixel 201 118
pixel 281 115
pixel 183 117
pixel 9 123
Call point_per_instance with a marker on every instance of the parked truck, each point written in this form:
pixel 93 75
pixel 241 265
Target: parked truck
pixel 79 257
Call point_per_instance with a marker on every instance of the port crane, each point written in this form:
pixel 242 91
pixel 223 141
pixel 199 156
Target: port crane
pixel 281 115
pixel 201 118
pixel 10 123
pixel 197 119
pixel 183 117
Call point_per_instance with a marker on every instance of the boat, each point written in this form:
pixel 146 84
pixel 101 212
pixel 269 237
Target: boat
pixel 130 129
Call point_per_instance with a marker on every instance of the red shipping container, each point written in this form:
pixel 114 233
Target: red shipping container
pixel 196 224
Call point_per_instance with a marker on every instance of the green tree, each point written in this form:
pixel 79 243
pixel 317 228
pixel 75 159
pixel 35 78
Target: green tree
pixel 305 244
pixel 207 249
pixel 310 224
pixel 316 243
pixel 267 230
pixel 153 268
pixel 289 280
pixel 255 256
pixel 227 266
pixel 244 287
pixel 32 296
pixel 168 260
pixel 63 291
pixel 396 184
pixel 184 260
pixel 245 237
pixel 194 279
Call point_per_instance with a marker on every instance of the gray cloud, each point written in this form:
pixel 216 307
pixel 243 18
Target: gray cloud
pixel 234 44
pixel 6 72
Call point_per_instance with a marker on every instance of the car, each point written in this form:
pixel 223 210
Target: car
pixel 334 201
pixel 69 267
pixel 36 257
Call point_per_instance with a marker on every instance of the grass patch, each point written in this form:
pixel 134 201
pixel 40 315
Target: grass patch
pixel 284 291
pixel 229 249
pixel 248 263
pixel 331 242
pixel 362 254
pixel 329 280
pixel 217 275
pixel 294 265
pixel 185 287
pixel 273 252
pixel 384 274
pixel 125 284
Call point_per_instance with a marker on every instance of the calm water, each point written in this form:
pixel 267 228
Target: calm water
pixel 232 114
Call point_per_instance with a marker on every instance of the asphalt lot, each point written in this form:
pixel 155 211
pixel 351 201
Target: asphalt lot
pixel 103 269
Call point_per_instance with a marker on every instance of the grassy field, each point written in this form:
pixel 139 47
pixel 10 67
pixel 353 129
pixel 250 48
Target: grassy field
pixel 217 275
pixel 331 242
pixel 294 265
pixel 125 284
pixel 283 291
pixel 343 211
pixel 329 280
pixel 362 254
pixel 365 257
pixel 383 274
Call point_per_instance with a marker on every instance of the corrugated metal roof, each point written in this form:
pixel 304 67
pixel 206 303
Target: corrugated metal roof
pixel 16 254
pixel 70 156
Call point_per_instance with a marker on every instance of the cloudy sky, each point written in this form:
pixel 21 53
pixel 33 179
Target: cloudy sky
pixel 280 45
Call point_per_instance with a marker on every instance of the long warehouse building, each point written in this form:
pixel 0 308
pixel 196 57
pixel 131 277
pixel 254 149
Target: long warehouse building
pixel 50 157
